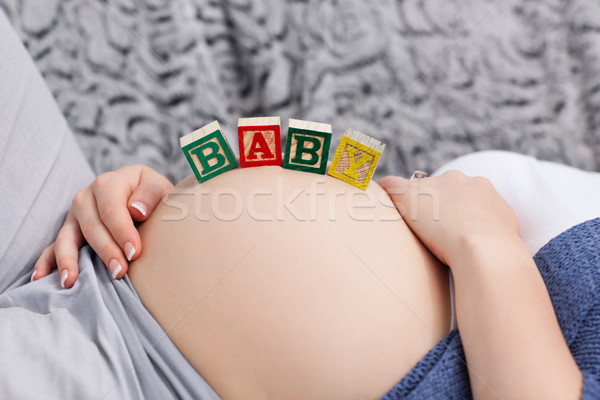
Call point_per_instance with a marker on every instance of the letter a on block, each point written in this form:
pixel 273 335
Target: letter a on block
pixel 356 158
pixel 260 141
pixel 208 152
pixel 307 147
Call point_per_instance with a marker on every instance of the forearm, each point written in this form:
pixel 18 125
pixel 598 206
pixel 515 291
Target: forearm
pixel 512 341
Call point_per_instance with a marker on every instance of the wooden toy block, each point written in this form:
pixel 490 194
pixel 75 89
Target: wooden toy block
pixel 208 151
pixel 260 141
pixel 356 158
pixel 307 147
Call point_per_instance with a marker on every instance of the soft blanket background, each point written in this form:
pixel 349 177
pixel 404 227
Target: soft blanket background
pixel 433 79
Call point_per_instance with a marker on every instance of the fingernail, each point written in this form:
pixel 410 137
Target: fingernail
pixel 141 207
pixel 63 278
pixel 115 267
pixel 129 250
pixel 33 275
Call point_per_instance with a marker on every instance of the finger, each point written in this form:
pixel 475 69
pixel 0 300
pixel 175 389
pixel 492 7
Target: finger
pixel 132 195
pixel 97 235
pixel 45 264
pixel 396 187
pixel 417 202
pixel 393 184
pixel 151 189
pixel 111 193
pixel 66 249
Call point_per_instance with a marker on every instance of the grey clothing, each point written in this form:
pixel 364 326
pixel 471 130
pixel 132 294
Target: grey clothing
pixel 96 340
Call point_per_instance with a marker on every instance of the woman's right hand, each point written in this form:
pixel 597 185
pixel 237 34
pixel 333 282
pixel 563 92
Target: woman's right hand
pixel 103 215
pixel 451 212
pixel 503 309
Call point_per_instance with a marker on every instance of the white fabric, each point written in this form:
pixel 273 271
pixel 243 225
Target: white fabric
pixel 548 198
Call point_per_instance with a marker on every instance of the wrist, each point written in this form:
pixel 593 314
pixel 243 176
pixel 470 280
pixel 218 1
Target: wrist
pixel 486 251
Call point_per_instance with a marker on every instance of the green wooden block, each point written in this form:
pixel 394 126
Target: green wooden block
pixel 208 152
pixel 307 147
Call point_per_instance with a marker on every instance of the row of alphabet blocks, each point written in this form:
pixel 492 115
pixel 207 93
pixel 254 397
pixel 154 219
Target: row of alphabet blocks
pixel 307 149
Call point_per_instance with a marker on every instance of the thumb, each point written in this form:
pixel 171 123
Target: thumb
pixel 393 184
pixel 396 188
pixel 152 187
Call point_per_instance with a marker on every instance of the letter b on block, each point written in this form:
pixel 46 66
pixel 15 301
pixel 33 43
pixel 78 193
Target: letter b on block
pixel 307 147
pixel 208 156
pixel 208 152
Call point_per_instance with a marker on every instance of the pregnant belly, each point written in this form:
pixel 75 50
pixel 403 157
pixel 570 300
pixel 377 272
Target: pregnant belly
pixel 282 284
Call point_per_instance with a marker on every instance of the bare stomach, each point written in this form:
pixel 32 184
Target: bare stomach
pixel 281 284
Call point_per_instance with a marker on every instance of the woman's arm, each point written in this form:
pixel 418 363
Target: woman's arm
pixel 509 330
pixel 102 215
pixel 513 344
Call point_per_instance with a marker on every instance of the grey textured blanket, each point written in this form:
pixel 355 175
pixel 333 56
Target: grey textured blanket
pixel 434 79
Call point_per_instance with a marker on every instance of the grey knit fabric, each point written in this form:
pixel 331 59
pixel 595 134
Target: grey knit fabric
pixel 433 79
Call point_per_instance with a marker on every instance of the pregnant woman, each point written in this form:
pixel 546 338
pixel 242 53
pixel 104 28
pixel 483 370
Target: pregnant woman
pixel 281 284
pixel 269 283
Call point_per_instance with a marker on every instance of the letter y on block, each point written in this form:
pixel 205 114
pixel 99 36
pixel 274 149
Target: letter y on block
pixel 208 152
pixel 356 158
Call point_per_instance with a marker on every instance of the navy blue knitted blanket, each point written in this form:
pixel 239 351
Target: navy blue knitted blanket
pixel 570 266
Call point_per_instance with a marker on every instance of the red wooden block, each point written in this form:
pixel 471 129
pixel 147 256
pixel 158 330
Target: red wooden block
pixel 260 141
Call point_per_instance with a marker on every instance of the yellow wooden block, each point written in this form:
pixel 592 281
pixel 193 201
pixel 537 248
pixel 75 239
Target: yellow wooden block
pixel 356 158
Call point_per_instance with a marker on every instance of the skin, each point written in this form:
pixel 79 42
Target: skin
pixel 103 215
pixel 461 220
pixel 512 341
pixel 285 308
